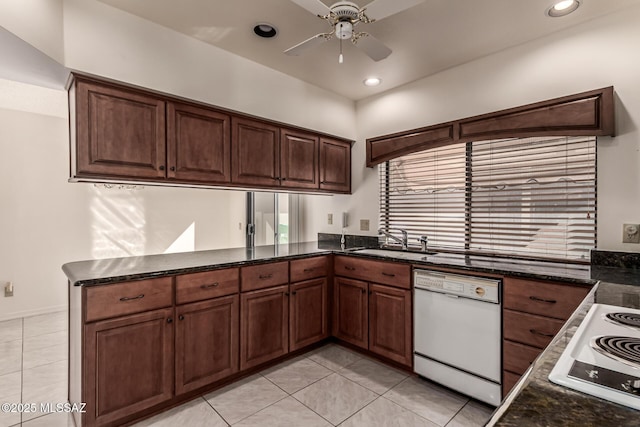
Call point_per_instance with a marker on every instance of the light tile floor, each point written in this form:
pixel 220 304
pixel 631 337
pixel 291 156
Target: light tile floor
pixel 329 386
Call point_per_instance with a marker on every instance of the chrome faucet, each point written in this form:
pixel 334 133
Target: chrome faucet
pixel 424 241
pixel 404 241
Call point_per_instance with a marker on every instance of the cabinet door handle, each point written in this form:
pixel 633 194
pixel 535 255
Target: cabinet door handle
pixel 172 168
pixel 286 294
pixel 543 334
pixel 265 276
pixel 169 320
pixel 181 317
pixel 161 167
pixel 309 270
pixel 132 298
pixel 346 267
pixel 388 274
pixel 211 285
pixel 550 301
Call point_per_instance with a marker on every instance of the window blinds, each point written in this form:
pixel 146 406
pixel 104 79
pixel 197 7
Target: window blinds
pixel 532 197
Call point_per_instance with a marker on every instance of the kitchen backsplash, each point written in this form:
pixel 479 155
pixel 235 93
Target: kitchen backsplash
pixel 615 259
pixel 351 241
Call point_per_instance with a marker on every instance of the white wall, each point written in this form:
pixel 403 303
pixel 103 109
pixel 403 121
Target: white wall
pixel 600 53
pixel 47 221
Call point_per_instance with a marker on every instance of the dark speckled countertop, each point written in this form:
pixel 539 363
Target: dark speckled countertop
pixel 104 271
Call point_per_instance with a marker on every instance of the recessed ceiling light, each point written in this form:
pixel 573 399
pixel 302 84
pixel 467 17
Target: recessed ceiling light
pixel 265 30
pixel 372 81
pixel 563 8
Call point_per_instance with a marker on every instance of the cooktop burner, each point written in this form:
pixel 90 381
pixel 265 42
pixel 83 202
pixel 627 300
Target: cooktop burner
pixel 626 319
pixel 623 349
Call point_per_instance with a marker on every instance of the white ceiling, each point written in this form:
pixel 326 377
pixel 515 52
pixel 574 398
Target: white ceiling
pixel 425 39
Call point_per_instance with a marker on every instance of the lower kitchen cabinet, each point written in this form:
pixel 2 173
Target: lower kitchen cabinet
pixel 308 313
pixel 351 313
pixel 264 325
pixel 390 317
pixel 533 312
pixel 374 317
pixel 128 365
pixel 206 342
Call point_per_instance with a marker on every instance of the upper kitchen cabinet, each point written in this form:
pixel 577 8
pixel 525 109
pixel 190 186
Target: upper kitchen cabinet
pixel 335 165
pixel 198 144
pixel 122 133
pixel 298 159
pixel 255 156
pixel 117 132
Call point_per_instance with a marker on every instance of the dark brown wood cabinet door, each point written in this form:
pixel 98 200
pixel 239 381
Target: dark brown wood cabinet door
pixel 129 365
pixel 335 165
pixel 264 325
pixel 119 132
pixel 255 156
pixel 198 144
pixel 390 323
pixel 308 313
pixel 206 342
pixel 350 322
pixel 298 159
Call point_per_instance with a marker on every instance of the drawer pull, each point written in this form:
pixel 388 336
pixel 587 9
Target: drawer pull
pixel 346 267
pixel 309 270
pixel 550 301
pixel 169 320
pixel 181 317
pixel 544 334
pixel 132 298
pixel 388 274
pixel 265 276
pixel 211 285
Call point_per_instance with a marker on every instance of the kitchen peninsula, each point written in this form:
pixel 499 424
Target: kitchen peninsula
pixel 158 283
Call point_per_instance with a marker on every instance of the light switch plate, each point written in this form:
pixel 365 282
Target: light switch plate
pixel 631 233
pixel 329 219
pixel 364 225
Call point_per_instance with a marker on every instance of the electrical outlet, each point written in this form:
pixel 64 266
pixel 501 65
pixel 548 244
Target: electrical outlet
pixel 330 219
pixel 364 225
pixel 8 289
pixel 631 233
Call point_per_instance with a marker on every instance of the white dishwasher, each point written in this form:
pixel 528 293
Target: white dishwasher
pixel 457 332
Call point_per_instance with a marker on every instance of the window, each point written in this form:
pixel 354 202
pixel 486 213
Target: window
pixel 530 196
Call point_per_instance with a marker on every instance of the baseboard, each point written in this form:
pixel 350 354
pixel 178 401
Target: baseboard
pixel 29 313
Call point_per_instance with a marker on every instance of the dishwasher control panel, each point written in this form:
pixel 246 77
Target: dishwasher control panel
pixel 458 285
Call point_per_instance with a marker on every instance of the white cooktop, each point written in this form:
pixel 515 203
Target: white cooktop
pixel 585 369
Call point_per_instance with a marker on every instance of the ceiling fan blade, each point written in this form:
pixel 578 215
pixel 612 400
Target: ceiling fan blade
pixel 314 6
pixel 309 43
pixel 373 47
pixel 378 9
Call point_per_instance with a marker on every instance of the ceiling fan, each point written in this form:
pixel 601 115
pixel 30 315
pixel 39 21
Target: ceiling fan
pixel 343 17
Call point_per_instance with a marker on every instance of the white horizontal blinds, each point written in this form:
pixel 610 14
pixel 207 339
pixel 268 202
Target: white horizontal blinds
pixel 534 196
pixel 424 194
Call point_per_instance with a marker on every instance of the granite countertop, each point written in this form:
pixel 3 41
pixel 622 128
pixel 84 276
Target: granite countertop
pixel 104 271
pixel 535 401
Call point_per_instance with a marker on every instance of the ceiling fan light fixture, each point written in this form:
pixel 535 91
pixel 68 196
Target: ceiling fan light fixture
pixel 372 81
pixel 563 8
pixel 265 30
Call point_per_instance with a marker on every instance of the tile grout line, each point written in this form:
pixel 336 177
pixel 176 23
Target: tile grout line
pixel 214 410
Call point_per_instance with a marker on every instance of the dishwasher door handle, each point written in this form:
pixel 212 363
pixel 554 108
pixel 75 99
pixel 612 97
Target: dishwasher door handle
pixel 451 296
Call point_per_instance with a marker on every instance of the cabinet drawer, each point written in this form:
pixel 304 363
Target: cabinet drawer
pixel 543 298
pixel 518 357
pixel 529 329
pixel 386 273
pixel 208 284
pixel 509 380
pixel 308 268
pixel 264 275
pixel 129 297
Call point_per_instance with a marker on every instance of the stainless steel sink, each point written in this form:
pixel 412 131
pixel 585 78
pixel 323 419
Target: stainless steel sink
pixel 416 256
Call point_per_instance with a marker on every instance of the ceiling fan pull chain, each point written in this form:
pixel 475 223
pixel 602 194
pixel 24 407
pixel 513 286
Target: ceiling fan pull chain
pixel 340 58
